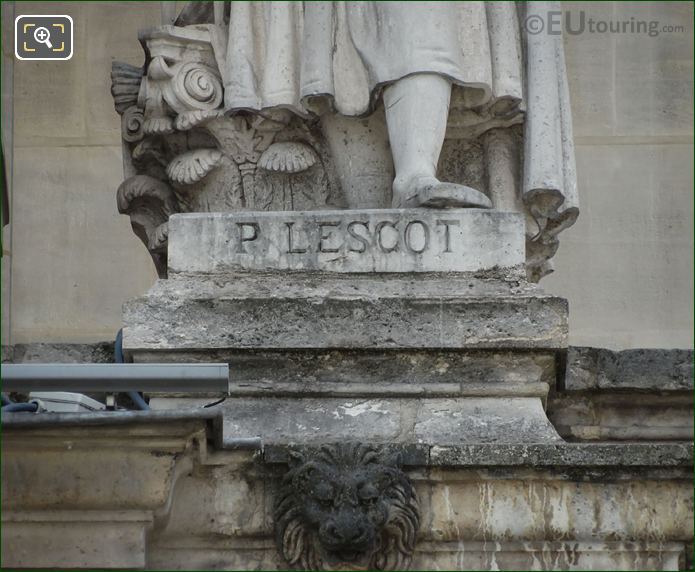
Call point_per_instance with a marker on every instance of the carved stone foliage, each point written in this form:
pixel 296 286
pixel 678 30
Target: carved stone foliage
pixel 346 506
pixel 175 132
pixel 149 202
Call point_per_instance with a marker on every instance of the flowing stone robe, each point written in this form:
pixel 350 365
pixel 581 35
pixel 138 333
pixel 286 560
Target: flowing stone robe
pixel 314 57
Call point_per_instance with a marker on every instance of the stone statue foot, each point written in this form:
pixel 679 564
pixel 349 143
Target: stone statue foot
pixel 432 193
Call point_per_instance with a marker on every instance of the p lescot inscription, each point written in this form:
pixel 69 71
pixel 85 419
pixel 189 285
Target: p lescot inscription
pixel 412 240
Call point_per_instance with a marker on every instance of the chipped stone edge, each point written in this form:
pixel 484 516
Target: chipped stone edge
pixel 665 456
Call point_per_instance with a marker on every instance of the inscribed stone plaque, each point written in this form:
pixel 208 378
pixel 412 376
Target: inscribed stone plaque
pixel 389 240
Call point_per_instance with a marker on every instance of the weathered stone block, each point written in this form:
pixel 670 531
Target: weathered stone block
pixel 75 539
pixel 307 311
pixel 383 240
pixel 403 421
pixel 621 415
pixel 639 369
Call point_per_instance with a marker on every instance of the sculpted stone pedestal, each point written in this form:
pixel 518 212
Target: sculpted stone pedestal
pixel 389 326
pixel 389 368
pixel 382 335
pixel 399 369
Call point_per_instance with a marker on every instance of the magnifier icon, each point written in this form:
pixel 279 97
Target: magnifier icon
pixel 43 36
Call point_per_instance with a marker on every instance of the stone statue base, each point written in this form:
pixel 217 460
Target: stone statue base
pixel 387 326
pixel 406 366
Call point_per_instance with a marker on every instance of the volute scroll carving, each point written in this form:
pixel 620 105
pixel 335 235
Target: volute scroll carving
pixel 176 132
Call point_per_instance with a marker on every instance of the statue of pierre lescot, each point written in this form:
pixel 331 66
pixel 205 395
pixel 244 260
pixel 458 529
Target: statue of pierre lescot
pixel 317 57
pixel 270 80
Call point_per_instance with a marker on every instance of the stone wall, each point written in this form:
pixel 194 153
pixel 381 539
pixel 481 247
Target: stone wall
pixel 155 493
pixel 73 258
pixel 626 266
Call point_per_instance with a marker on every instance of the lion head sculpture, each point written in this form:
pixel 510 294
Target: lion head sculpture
pixel 346 506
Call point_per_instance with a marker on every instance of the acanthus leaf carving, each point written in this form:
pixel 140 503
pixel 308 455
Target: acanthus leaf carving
pixel 149 158
pixel 149 202
pixel 288 157
pixel 177 135
pixel 194 118
pixel 159 125
pixel 126 80
pixel 193 166
pixel 240 138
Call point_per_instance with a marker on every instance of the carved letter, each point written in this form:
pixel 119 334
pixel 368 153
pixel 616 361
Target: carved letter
pixel 290 248
pixel 407 236
pixel 447 236
pixel 379 237
pixel 243 237
pixel 323 236
pixel 364 243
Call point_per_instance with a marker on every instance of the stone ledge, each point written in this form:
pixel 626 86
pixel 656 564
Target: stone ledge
pixel 610 415
pixel 574 554
pixel 537 456
pixel 178 423
pixel 316 421
pixel 367 312
pixel 565 455
pixel 193 553
pixel 629 370
pixel 168 420
pixel 391 373
pixel 40 352
pixel 465 554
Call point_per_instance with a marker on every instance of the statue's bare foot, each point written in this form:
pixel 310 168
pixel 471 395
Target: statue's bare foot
pixel 432 193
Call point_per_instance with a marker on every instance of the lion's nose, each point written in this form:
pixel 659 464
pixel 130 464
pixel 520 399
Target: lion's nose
pixel 345 532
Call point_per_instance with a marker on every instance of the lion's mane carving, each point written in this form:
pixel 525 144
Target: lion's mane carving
pixel 346 506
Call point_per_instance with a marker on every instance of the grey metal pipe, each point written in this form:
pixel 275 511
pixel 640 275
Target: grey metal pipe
pixel 179 377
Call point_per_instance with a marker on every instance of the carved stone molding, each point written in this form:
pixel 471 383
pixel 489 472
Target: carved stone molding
pixel 177 136
pixel 149 202
pixel 346 506
pixel 126 80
